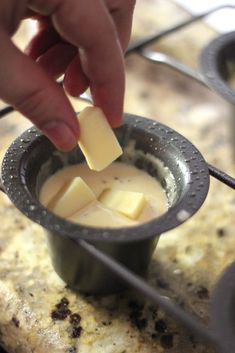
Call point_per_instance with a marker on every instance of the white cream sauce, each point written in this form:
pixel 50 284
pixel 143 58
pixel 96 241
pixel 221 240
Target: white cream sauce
pixel 119 176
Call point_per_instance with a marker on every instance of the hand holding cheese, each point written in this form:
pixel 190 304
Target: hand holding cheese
pixel 128 203
pixel 97 139
pixel 76 196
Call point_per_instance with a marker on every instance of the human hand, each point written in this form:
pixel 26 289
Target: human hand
pixel 85 40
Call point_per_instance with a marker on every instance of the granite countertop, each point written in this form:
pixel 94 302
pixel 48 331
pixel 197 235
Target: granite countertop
pixel 38 313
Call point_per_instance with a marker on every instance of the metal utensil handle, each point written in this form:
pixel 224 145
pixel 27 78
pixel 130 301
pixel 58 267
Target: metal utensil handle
pixel 222 176
pixel 155 37
pixel 135 281
pixel 169 61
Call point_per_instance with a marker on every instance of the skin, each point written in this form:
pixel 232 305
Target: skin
pixel 85 40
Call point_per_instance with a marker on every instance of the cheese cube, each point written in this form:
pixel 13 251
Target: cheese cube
pixel 129 203
pixel 76 196
pixel 49 195
pixel 97 139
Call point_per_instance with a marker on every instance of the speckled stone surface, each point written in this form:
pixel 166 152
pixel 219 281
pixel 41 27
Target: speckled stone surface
pixel 39 314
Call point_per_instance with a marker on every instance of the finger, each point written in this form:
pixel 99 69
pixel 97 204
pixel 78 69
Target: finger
pixel 75 81
pixel 56 59
pixel 88 25
pixel 26 86
pixel 122 14
pixel 100 52
pixel 42 41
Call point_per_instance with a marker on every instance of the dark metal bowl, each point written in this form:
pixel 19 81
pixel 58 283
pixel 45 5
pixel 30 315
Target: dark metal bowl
pixel 223 310
pixel 162 152
pixel 218 65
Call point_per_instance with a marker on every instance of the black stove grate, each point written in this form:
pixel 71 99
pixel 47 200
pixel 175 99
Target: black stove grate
pixel 207 334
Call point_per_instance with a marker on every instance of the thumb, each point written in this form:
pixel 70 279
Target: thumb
pixel 26 86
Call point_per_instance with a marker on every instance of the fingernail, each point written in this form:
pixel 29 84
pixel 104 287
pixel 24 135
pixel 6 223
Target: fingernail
pixel 60 135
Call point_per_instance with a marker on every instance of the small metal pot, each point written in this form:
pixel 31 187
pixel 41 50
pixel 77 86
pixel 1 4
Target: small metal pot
pixel 218 65
pixel 162 152
pixel 218 69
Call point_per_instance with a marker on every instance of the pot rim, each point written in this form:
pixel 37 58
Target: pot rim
pixel 210 61
pixel 194 196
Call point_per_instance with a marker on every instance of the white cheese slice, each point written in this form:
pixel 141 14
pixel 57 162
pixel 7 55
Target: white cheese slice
pixel 129 203
pixel 76 196
pixel 48 195
pixel 97 139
